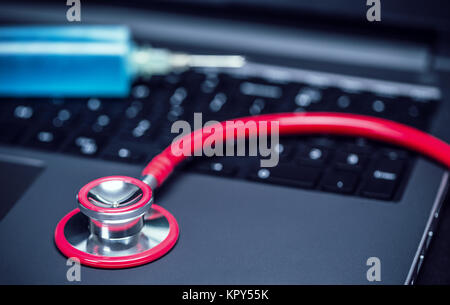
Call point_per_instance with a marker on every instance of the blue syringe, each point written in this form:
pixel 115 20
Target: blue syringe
pixel 85 61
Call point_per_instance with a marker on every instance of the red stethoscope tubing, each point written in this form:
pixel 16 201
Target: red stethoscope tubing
pixel 163 164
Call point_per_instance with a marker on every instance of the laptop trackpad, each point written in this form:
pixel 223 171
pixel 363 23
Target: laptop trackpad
pixel 16 175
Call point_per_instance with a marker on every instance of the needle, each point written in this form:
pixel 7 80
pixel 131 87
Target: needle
pixel 149 60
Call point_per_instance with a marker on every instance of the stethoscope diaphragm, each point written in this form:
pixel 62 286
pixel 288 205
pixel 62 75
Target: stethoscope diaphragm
pixel 116 225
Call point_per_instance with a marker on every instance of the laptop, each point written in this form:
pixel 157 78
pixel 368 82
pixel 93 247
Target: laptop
pixel 332 210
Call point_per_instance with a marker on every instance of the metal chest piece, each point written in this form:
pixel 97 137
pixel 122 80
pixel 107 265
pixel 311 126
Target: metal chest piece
pixel 118 225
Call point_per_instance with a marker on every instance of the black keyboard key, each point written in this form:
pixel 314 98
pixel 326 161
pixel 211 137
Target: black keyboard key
pixel 261 89
pixel 93 108
pixel 416 113
pixel 394 153
pixel 285 149
pixel 260 96
pixel 165 82
pixel 64 117
pixel 340 181
pixel 218 106
pixel 215 167
pixel 86 145
pixel 134 110
pixel 102 124
pixel 125 153
pixel 308 96
pixel 392 168
pixel 140 91
pixel 178 104
pixel 350 160
pixel 305 98
pixel 313 155
pixel 11 132
pixel 90 108
pixel 172 79
pixel 359 145
pixel 340 101
pixel 217 103
pixel 210 83
pixel 48 139
pixel 383 179
pixel 23 112
pixel 139 129
pixel 286 174
pixel 321 141
pixel 195 79
pixel 258 106
pixel 383 107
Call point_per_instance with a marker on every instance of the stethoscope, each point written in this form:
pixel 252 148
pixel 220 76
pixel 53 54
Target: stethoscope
pixel 116 224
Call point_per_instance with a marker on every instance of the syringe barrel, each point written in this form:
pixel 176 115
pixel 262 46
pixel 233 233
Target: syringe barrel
pixel 65 61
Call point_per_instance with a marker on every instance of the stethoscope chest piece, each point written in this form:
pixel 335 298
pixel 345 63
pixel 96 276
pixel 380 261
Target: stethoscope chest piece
pixel 116 225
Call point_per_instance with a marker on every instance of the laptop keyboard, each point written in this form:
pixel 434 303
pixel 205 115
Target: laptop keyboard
pixel 134 130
